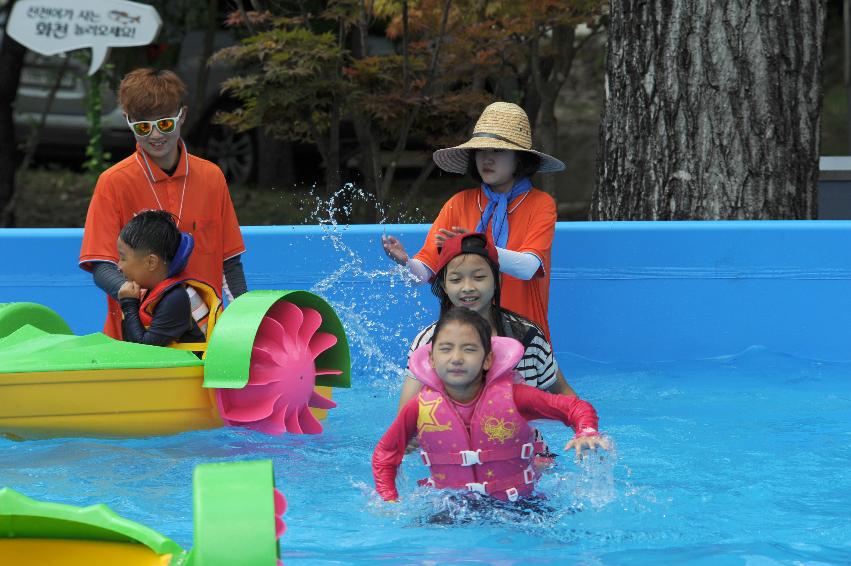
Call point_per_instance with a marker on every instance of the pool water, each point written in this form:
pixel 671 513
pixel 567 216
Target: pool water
pixel 737 460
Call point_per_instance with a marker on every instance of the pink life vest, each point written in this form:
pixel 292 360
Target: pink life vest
pixel 496 456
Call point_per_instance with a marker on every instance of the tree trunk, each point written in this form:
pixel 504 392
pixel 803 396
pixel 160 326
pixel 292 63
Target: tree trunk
pixel 712 110
pixel 369 151
pixel 31 143
pixel 11 62
pixel 207 46
pixel 332 161
pixel 546 132
pixel 369 155
pixel 275 164
pixel 547 77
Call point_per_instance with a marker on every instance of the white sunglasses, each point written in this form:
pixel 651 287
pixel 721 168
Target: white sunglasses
pixel 144 128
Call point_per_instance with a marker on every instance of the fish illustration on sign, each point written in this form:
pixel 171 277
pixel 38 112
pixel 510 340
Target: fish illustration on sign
pixel 123 17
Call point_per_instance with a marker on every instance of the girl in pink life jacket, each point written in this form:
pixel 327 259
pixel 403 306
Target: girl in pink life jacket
pixel 468 276
pixel 471 416
pixel 154 300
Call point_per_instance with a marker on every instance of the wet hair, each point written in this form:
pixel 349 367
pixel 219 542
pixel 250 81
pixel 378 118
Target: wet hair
pixel 151 93
pixel 471 246
pixel 463 315
pixel 527 165
pixel 152 231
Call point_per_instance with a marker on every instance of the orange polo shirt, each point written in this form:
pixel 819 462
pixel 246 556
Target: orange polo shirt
pixel 531 221
pixel 197 194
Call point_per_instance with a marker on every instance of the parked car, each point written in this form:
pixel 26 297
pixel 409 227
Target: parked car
pixel 65 131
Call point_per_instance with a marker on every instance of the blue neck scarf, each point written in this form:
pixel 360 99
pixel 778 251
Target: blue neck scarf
pixel 497 209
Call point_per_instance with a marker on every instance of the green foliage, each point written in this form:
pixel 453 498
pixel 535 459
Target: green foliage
pixel 305 66
pixel 97 160
pixel 292 78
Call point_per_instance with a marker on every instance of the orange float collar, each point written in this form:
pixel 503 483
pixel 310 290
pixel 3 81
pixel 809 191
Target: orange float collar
pixel 208 294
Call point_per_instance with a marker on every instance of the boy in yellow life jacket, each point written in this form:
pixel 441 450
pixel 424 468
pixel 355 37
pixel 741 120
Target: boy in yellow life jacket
pixel 156 300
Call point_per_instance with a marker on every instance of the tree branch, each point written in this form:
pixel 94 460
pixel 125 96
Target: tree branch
pixel 321 145
pixel 406 128
pixel 244 15
pixel 405 32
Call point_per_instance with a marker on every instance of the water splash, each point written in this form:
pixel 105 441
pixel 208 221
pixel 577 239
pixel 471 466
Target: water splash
pixel 378 346
pixel 593 484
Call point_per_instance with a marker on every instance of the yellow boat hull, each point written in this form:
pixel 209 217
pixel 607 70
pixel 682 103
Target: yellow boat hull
pixel 58 552
pixel 110 403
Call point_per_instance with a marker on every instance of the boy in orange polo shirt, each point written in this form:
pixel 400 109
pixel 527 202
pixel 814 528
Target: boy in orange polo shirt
pixel 161 175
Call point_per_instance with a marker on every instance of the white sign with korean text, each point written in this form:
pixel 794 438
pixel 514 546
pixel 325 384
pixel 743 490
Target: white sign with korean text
pixel 57 26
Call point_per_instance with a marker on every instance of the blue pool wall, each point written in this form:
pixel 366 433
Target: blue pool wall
pixel 620 291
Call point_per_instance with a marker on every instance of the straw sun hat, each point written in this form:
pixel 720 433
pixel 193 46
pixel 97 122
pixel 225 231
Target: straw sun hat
pixel 502 125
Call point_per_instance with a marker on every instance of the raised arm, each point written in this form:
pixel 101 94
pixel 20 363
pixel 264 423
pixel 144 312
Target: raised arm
pixel 522 265
pixel 171 320
pixel 572 411
pixel 396 251
pixel 107 277
pixel 537 241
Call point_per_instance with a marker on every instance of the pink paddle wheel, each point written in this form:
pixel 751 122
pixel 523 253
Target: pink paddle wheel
pixel 282 374
pixel 280 509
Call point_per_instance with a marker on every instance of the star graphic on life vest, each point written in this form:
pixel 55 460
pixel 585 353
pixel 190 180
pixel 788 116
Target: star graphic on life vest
pixel 427 419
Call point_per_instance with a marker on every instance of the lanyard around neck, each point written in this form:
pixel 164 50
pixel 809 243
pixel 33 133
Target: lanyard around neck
pixel 149 174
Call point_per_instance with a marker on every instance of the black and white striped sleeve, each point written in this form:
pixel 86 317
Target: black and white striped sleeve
pixel 538 366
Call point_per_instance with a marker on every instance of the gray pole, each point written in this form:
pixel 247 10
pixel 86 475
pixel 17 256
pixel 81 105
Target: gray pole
pixel 846 68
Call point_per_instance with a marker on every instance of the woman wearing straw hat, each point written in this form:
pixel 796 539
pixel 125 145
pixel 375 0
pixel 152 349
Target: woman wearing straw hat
pixel 519 219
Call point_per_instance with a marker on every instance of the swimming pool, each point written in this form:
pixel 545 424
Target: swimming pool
pixel 700 475
pixel 735 453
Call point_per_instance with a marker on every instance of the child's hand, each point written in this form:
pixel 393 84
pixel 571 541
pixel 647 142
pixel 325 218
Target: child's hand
pixel 394 249
pixel 587 442
pixel 443 234
pixel 130 290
